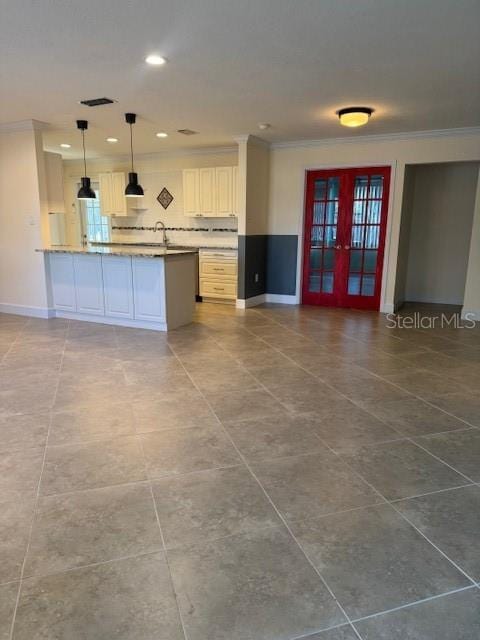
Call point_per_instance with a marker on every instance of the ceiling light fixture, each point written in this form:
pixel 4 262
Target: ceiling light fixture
pixel 85 192
pixel 133 189
pixel 162 134
pixel 64 145
pixel 112 140
pixel 354 116
pixel 263 126
pixel 155 60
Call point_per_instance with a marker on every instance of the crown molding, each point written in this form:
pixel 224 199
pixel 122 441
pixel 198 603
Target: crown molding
pixel 381 137
pixel 157 155
pixel 253 139
pixel 23 125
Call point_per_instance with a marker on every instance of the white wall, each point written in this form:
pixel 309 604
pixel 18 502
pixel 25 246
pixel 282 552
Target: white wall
pixel 155 171
pixel 23 218
pixel 440 231
pixel 404 238
pixel 471 303
pixel 289 162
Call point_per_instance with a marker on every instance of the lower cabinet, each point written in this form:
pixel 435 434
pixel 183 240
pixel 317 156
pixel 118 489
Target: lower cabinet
pixel 89 284
pixel 63 281
pixel 118 286
pixel 149 289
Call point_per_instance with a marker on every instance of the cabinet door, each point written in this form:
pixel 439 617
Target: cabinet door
pixel 119 203
pixel 190 192
pixel 89 284
pixel 235 191
pixel 149 289
pixel 118 286
pixel 105 188
pixel 207 192
pixel 223 184
pixel 63 281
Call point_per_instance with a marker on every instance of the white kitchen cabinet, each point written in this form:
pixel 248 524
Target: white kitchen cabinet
pixel 63 281
pixel 149 289
pixel 112 194
pixel 207 192
pixel 89 284
pixel 210 192
pixel 218 275
pixel 118 286
pixel 224 192
pixel 191 202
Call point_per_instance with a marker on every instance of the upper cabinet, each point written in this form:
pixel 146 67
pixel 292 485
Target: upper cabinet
pixel 210 192
pixel 112 194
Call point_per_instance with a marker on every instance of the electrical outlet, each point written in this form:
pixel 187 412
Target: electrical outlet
pixel 256 277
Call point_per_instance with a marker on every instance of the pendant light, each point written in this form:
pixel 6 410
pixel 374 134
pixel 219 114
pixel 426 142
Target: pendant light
pixel 85 192
pixel 133 189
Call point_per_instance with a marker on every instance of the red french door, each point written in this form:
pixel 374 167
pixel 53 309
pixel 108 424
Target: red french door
pixel 345 224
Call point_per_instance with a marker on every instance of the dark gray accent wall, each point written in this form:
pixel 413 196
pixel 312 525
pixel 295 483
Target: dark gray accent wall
pixel 252 262
pixel 267 264
pixel 282 264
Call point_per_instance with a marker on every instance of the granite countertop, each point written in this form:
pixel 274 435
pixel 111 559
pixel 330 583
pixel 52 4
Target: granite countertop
pixel 215 247
pixel 119 250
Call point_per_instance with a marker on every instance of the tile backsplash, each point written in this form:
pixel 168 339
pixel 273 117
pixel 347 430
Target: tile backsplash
pixel 182 229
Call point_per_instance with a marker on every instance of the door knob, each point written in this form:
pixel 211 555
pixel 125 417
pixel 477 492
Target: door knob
pixel 347 247
pixel 338 246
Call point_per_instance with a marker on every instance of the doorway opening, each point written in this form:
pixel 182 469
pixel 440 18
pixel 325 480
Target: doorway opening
pixel 344 239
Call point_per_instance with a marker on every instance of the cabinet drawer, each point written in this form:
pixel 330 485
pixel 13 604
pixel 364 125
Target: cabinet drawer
pixel 226 269
pixel 209 288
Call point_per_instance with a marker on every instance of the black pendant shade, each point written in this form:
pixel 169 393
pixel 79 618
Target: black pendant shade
pixel 133 189
pixel 85 192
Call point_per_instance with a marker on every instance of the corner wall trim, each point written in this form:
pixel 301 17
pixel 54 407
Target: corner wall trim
pixel 22 310
pixel 277 298
pixel 387 307
pixel 470 314
pixel 250 302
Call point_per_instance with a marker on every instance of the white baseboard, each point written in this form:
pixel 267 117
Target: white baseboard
pixel 119 322
pixel 23 310
pixel 277 298
pixel 470 314
pixel 387 307
pixel 250 302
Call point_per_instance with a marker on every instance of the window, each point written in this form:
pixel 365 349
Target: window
pixel 97 227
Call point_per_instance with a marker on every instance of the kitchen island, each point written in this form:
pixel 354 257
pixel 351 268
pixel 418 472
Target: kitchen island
pixel 144 287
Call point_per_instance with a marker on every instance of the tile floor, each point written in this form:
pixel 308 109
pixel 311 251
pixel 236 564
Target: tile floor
pixel 274 474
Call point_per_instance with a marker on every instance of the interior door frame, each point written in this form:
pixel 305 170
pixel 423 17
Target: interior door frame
pixel 387 230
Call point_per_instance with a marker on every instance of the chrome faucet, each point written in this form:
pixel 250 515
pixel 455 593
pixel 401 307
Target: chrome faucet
pixel 164 232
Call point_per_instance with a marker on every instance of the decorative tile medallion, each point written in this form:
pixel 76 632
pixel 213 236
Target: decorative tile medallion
pixel 165 198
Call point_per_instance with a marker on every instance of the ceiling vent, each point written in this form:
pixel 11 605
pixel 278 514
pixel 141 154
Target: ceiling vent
pixel 187 132
pixel 96 102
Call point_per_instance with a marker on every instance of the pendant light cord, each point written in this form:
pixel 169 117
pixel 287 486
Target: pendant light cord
pixel 131 145
pixel 84 160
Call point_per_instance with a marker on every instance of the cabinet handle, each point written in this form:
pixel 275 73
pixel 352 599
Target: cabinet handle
pixel 232 215
pixel 219 288
pixel 219 269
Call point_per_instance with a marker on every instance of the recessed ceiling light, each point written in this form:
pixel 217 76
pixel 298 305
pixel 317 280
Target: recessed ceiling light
pixel 64 145
pixel 112 140
pixel 264 125
pixel 354 116
pixel 154 59
pixel 162 134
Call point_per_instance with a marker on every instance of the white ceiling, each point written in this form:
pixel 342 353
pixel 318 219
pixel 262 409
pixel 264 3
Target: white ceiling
pixel 233 64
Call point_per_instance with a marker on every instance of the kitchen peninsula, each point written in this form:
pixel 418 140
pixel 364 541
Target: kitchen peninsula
pixel 144 287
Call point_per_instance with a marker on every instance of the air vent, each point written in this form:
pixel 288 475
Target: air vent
pixel 96 102
pixel 187 132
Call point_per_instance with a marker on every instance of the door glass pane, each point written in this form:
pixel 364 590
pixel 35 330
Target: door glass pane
pixel 332 213
pixel 368 285
pixel 315 259
pixel 361 187
pixel 356 260
pixel 317 236
pixel 372 235
pixel 359 207
pixel 374 209
pixel 314 281
pixel 354 284
pixel 328 259
pixel 327 282
pixel 332 188
pixel 330 236
pixel 376 187
pixel 370 261
pixel 320 189
pixel 318 212
pixel 357 236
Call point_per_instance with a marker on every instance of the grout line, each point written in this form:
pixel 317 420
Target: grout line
pixel 37 493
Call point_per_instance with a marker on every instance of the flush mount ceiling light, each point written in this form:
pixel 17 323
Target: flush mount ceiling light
pixel 85 192
pixel 162 134
pixel 112 140
pixel 64 145
pixel 133 189
pixel 354 116
pixel 155 60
